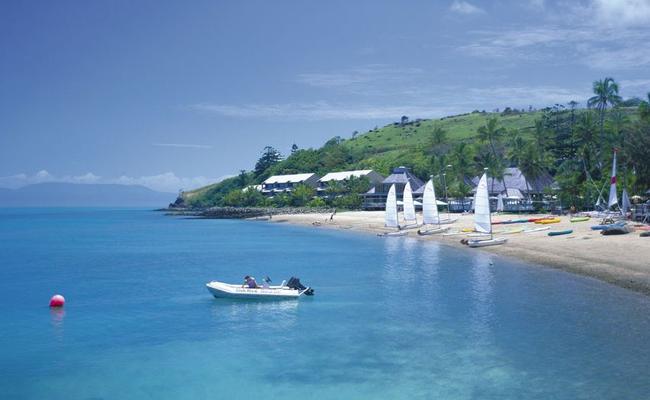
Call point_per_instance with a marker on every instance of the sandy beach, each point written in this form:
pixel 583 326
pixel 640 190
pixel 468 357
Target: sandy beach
pixel 623 260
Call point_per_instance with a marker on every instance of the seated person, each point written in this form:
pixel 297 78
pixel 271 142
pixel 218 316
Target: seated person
pixel 249 282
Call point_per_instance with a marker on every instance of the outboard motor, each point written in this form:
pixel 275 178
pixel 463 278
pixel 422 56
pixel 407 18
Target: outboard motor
pixel 294 283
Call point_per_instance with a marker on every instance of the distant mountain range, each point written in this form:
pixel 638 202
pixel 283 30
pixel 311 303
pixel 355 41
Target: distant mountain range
pixel 79 195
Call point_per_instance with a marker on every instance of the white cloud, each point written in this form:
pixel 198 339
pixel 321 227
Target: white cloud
pixel 463 7
pixel 622 12
pixel 601 48
pixel 87 178
pixel 183 145
pixel 374 73
pixel 323 111
pixel 165 182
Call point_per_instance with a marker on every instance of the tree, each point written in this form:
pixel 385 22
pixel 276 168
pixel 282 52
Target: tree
pixel 301 195
pixel 438 136
pixel 516 148
pixel 491 133
pixel 242 178
pixel 270 157
pixel 644 109
pixel 294 148
pixel 461 161
pixel 605 94
pixel 532 164
pixel 404 120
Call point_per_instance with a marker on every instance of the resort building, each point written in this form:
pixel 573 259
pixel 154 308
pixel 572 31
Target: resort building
pixel 286 183
pixel 515 185
pixel 375 198
pixel 332 178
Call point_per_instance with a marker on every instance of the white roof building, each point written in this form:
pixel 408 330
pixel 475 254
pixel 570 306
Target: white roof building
pixel 293 178
pixel 286 183
pixel 343 175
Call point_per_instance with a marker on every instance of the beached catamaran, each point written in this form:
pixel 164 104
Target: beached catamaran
pixel 410 220
pixel 430 215
pixel 390 216
pixel 482 216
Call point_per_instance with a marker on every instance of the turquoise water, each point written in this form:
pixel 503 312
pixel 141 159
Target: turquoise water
pixel 391 319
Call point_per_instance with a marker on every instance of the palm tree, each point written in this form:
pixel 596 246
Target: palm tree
pixel 495 164
pixel 461 159
pixel 516 147
pixel 606 94
pixel 532 165
pixel 491 133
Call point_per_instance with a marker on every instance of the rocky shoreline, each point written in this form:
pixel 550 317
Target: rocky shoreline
pixel 242 212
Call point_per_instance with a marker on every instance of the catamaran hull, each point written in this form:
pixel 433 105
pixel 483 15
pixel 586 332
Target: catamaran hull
pixel 432 231
pixel 486 242
pixel 398 233
pixel 447 221
pixel 224 290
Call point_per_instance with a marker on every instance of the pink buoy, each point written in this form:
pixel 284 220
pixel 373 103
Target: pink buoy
pixel 57 301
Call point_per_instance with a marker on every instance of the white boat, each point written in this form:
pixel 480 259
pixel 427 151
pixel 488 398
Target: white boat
pixel 284 291
pixel 533 230
pixel 390 216
pixel 447 221
pixel 482 217
pixel 433 231
pixel 477 234
pixel 430 215
pixel 486 242
pixel 410 220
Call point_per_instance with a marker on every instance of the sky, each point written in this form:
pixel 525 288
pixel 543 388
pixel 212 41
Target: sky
pixel 175 95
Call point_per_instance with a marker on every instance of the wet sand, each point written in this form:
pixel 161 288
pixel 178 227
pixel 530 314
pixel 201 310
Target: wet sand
pixel 622 260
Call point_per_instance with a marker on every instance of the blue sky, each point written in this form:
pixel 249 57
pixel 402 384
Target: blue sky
pixel 178 94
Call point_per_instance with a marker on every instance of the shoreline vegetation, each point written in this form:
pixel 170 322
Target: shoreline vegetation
pixel 572 143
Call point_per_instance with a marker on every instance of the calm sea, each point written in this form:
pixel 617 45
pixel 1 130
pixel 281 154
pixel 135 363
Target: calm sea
pixel 392 318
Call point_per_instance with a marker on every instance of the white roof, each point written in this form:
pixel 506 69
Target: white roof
pixel 294 178
pixel 340 176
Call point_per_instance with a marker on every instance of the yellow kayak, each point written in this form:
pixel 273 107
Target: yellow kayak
pixel 548 221
pixel 579 219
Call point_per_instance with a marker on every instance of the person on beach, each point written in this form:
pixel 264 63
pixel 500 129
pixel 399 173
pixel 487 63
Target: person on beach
pixel 249 282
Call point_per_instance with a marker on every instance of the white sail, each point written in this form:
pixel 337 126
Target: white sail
pixel 613 200
pixel 482 221
pixel 390 217
pixel 500 203
pixel 409 206
pixel 625 202
pixel 429 205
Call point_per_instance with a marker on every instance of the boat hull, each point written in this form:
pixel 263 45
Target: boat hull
pixel 433 231
pixel 390 234
pixel 486 242
pixel 227 291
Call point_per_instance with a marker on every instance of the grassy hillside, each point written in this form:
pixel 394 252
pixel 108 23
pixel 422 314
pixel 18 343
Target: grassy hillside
pixel 559 140
pixel 418 133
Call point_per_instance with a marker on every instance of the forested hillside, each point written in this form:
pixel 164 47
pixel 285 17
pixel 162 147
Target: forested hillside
pixel 574 144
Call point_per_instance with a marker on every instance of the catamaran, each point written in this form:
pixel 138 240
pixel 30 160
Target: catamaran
pixel 390 215
pixel 410 220
pixel 482 217
pixel 430 213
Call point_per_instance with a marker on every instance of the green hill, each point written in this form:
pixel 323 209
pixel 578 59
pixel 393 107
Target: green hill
pixel 565 142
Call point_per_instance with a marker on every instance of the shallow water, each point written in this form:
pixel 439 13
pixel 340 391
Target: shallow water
pixel 392 318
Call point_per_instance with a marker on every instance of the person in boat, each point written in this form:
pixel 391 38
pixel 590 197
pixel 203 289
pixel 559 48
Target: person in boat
pixel 250 282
